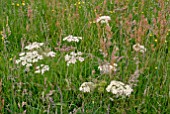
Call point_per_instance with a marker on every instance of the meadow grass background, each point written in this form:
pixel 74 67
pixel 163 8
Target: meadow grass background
pixel 49 21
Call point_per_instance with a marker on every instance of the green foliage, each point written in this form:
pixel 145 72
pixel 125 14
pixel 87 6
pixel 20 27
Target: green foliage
pixel 57 91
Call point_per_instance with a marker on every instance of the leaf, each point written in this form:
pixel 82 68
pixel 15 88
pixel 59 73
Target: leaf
pixel 61 104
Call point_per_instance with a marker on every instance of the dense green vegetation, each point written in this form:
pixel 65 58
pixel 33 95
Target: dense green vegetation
pixel 57 91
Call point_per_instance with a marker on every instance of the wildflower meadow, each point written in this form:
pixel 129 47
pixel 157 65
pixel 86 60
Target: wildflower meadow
pixel 84 56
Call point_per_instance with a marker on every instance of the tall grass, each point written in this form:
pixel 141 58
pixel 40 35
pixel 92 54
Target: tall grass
pixel 57 91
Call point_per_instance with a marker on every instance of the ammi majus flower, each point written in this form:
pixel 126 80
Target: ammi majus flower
pixel 107 68
pixel 139 48
pixel 73 57
pixel 103 19
pixel 34 45
pixel 87 87
pixel 71 38
pixel 119 88
pixel 28 58
pixel 42 69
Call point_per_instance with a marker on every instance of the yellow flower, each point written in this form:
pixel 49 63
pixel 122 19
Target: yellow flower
pixel 111 11
pixel 2 38
pixel 150 35
pixel 156 67
pixel 156 40
pixel 17 4
pixel 23 4
pixel 10 59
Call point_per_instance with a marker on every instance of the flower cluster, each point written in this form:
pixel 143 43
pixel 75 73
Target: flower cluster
pixel 119 88
pixel 107 68
pixel 71 38
pixel 34 45
pixel 50 54
pixel 139 48
pixel 103 19
pixel 42 69
pixel 33 55
pixel 27 58
pixel 87 87
pixel 73 57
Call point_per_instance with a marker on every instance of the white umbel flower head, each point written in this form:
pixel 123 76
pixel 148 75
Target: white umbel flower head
pixel 51 54
pixel 17 61
pixel 119 88
pixel 103 19
pixel 73 57
pixel 107 68
pixel 87 87
pixel 27 58
pixel 71 38
pixel 34 45
pixel 139 48
pixel 42 69
pixel 22 54
pixel 67 57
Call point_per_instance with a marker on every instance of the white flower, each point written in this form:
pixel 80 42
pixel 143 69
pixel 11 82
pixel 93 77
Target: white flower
pixel 107 68
pixel 23 58
pixel 42 69
pixel 28 65
pixel 41 65
pixel 29 57
pixel 24 63
pixel 51 54
pixel 71 60
pixel 39 57
pixel 73 53
pixel 79 53
pixel 34 45
pixel 103 19
pixel 73 57
pixel 119 88
pixel 37 67
pixel 34 53
pixel 139 48
pixel 128 90
pixel 41 44
pixel 18 61
pixel 35 60
pixel 22 54
pixel 72 38
pixel 67 57
pixel 81 59
pixel 29 54
pixel 38 71
pixel 87 87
